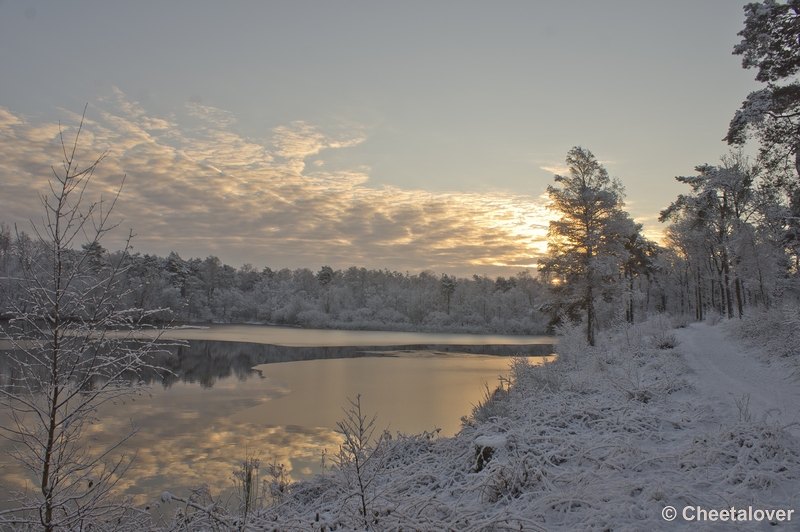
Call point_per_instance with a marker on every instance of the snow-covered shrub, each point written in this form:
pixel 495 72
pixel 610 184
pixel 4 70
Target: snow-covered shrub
pixel 660 328
pixel 528 378
pixel 775 333
pixel 313 318
pixel 472 319
pixel 278 484
pixel 634 363
pixel 493 405
pixel 289 311
pixel 363 314
pixel 681 321
pixel 390 315
pixel 713 317
pixel 572 345
pixel 359 461
pixel 437 321
pixel 665 341
pixel 357 319
pixel 745 456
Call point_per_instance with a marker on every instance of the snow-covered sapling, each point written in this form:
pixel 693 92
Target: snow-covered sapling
pixel 360 458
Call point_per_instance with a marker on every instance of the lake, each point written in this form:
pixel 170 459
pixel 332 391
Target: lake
pixel 277 392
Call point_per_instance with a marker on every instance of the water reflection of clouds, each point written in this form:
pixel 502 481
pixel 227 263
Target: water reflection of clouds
pixel 187 436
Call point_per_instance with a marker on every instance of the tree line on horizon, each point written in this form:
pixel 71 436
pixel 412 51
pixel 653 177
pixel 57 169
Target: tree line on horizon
pixel 206 290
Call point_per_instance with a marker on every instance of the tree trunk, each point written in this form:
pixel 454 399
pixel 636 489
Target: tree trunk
pixel 630 301
pixel 699 297
pixel 726 278
pixel 590 316
pixel 713 295
pixel 739 303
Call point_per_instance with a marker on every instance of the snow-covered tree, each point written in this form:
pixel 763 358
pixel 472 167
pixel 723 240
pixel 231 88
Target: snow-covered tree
pixel 586 245
pixel 76 345
pixel 448 286
pixel 770 44
pixel 640 265
pixel 719 209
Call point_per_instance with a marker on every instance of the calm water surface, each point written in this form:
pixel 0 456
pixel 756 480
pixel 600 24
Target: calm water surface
pixel 278 393
pixel 294 337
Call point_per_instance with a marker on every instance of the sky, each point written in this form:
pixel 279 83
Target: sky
pixel 408 135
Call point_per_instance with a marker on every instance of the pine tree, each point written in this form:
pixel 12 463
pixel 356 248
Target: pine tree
pixel 586 245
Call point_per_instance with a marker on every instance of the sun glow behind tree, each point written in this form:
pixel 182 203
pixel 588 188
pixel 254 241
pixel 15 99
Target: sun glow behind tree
pixel 587 243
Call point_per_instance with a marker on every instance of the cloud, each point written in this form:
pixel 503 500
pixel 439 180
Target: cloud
pixel 559 169
pixel 563 170
pixel 653 229
pixel 218 117
pixel 298 140
pixel 202 190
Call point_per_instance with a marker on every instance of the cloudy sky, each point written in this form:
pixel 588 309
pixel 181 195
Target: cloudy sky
pixel 402 135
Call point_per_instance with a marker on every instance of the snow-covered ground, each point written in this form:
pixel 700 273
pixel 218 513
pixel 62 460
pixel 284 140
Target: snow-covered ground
pixel 730 376
pixel 603 438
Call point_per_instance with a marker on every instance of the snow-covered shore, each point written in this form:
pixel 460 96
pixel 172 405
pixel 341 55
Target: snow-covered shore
pixel 602 438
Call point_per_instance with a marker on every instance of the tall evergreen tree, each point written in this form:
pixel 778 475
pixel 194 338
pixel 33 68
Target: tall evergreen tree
pixel 770 44
pixel 586 245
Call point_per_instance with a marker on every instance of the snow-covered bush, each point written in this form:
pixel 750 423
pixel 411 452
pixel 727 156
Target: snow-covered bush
pixel 735 456
pixel 472 319
pixel 313 318
pixel 288 313
pixel 530 379
pixel 774 332
pixel 390 315
pixel 713 317
pixel 359 462
pixel 493 405
pixel 437 321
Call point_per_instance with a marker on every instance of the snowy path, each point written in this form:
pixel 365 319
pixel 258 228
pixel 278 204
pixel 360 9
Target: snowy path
pixel 725 372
